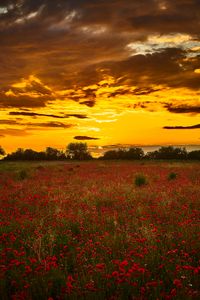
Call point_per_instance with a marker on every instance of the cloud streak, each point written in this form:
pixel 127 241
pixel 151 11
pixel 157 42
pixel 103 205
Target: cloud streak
pixel 84 138
pixel 33 114
pixel 183 109
pixel 183 127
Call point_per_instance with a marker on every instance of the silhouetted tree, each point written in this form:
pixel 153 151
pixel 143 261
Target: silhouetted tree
pixel 194 155
pixel 52 153
pixel 78 151
pixel 111 154
pixel 135 153
pixel 132 153
pixel 29 154
pixel 2 151
pixel 168 153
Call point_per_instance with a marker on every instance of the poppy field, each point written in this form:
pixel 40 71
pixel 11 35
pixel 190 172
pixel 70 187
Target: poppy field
pixel 100 230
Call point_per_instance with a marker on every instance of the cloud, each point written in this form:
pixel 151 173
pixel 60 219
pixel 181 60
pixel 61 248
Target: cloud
pixel 32 125
pixel 83 137
pixel 48 125
pixel 183 109
pixel 13 132
pixel 183 127
pixel 89 103
pixel 21 101
pixel 8 122
pixel 31 92
pixel 62 58
pixel 33 114
pixel 79 116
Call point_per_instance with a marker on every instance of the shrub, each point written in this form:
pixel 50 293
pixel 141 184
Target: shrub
pixel 172 176
pixel 140 180
pixel 22 175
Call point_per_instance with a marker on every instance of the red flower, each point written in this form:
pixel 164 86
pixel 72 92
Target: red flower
pixel 177 283
pixel 173 292
pixel 100 266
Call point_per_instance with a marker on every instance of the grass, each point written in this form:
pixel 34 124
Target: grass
pixel 93 234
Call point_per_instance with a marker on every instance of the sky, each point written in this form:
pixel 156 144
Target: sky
pixel 108 73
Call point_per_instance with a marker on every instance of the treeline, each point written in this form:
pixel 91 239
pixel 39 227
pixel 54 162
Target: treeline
pixel 165 153
pixel 79 151
pixel 74 151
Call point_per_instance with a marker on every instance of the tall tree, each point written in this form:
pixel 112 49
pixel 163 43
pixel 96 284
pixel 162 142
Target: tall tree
pixel 78 151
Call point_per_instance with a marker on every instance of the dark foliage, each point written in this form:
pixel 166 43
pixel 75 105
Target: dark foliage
pixel 194 155
pixel 140 180
pixel 29 154
pixel 132 153
pixel 78 151
pixel 172 176
pixel 168 153
pixel 2 151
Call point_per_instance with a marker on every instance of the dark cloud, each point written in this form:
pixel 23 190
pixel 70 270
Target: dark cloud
pixel 33 114
pixel 89 103
pixel 83 137
pixel 73 35
pixel 183 109
pixel 159 68
pixel 13 132
pixel 73 44
pixel 79 116
pixel 35 125
pixel 144 91
pixel 8 122
pixel 22 101
pixel 183 127
pixel 49 125
pixel 137 91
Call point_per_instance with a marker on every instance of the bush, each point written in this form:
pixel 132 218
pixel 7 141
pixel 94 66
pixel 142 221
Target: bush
pixel 140 180
pixel 22 175
pixel 172 176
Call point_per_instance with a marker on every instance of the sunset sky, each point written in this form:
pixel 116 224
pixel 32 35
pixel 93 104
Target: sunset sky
pixel 106 72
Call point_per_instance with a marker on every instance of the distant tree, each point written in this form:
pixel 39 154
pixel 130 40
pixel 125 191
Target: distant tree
pixel 168 153
pixel 111 154
pixel 21 154
pixel 2 151
pixel 78 151
pixel 18 154
pixel 29 154
pixel 135 153
pixel 132 153
pixel 52 153
pixel 194 155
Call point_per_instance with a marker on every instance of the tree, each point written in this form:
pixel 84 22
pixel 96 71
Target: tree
pixel 135 153
pixel 111 154
pixel 52 153
pixel 78 151
pixel 2 151
pixel 131 153
pixel 168 153
pixel 195 154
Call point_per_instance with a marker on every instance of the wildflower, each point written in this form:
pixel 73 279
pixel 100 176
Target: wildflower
pixel 100 266
pixel 69 284
pixel 173 292
pixel 177 283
